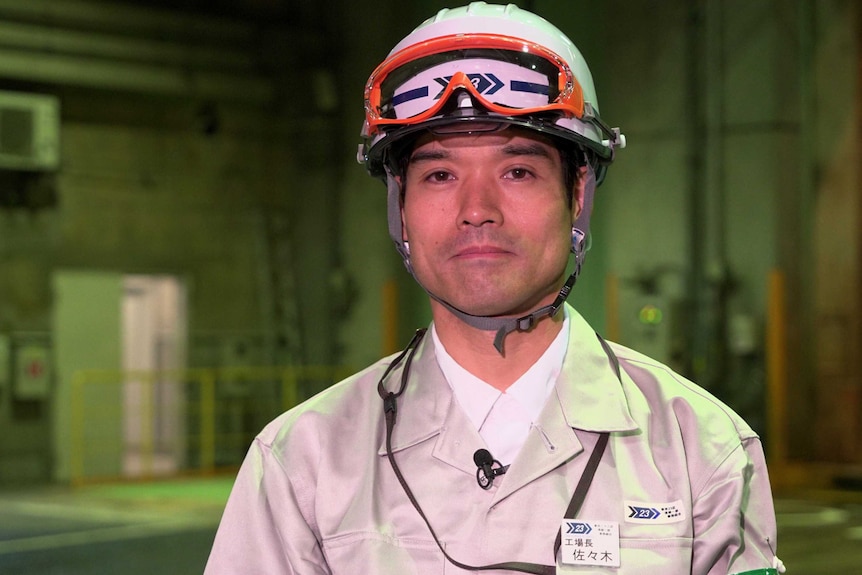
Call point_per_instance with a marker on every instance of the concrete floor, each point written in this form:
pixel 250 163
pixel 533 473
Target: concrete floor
pixel 167 528
pixel 133 529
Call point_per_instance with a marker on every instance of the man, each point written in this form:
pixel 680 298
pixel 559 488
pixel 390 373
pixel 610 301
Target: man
pixel 509 437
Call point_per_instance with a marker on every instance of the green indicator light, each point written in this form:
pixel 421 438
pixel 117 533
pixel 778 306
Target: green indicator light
pixel 650 315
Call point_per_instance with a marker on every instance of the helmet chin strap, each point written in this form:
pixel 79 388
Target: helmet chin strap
pixel 502 325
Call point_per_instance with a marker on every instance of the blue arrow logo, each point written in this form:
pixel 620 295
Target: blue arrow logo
pixel 486 84
pixel 643 512
pixel 578 528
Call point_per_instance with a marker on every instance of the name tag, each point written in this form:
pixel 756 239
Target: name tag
pixel 595 543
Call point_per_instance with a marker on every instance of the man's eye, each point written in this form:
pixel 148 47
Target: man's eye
pixel 439 176
pixel 519 173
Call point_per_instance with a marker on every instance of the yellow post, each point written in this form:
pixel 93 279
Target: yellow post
pixel 776 365
pixel 147 382
pixel 208 430
pixel 77 441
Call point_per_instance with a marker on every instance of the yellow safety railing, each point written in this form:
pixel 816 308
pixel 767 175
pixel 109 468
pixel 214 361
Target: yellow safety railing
pixel 143 424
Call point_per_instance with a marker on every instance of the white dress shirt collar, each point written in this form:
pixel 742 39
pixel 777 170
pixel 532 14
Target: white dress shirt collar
pixel 479 400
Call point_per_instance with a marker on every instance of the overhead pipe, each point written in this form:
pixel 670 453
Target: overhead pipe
pixel 49 39
pixel 133 76
pixel 115 47
pixel 83 14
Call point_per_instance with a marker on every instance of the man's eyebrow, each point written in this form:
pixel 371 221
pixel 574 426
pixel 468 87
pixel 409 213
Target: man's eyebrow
pixel 531 149
pixel 429 155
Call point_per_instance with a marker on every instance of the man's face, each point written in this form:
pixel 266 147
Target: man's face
pixel 488 220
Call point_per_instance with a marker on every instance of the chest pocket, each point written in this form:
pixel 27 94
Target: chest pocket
pixel 366 553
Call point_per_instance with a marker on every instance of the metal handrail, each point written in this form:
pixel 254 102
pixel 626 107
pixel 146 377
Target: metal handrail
pixel 207 401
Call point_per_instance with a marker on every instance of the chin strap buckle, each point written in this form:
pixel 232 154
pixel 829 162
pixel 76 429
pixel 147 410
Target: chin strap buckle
pixel 527 322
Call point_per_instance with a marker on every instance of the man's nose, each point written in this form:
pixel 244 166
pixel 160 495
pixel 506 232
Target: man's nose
pixel 479 204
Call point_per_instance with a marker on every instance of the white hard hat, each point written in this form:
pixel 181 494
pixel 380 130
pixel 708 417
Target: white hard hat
pixel 484 62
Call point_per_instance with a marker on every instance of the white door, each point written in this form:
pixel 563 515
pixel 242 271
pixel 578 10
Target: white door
pixel 154 334
pixel 118 323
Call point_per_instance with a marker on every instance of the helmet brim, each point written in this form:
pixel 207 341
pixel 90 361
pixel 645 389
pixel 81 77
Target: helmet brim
pixel 389 151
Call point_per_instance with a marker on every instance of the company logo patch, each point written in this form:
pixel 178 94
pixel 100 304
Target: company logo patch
pixel 654 513
pixel 485 84
pixel 578 528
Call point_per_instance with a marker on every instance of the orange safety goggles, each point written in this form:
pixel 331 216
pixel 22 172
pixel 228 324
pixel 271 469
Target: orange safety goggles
pixel 505 75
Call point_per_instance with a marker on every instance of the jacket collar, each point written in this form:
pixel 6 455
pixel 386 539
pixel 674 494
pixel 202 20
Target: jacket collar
pixel 590 394
pixel 587 396
pixel 423 406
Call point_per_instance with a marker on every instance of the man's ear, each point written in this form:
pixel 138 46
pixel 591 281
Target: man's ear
pixel 578 193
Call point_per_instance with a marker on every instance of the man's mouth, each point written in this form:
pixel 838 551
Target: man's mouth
pixel 481 251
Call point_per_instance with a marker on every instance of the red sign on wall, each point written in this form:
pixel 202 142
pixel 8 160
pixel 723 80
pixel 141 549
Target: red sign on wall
pixel 33 373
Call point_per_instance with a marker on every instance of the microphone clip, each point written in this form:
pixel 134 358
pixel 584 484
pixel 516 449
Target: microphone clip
pixel 487 468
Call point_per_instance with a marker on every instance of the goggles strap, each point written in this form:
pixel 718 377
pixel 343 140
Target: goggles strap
pixel 615 138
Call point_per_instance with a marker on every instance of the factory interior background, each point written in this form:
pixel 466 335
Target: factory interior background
pixel 188 245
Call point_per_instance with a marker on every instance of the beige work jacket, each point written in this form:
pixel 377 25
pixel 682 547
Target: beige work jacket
pixel 316 493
